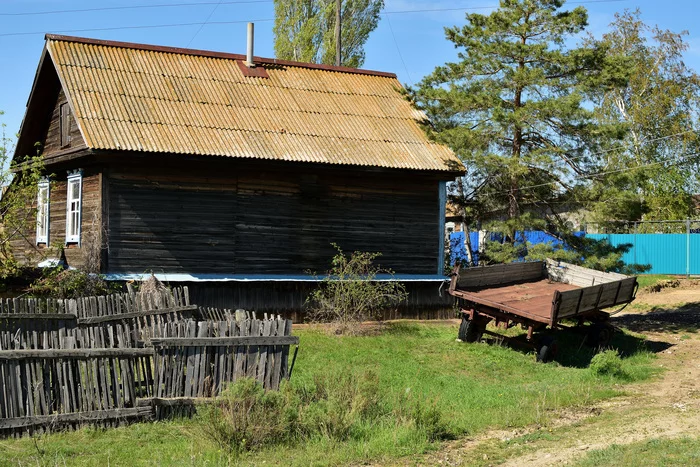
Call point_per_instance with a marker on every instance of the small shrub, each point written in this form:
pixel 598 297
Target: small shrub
pixel 337 403
pixel 608 363
pixel 425 417
pixel 245 417
pixel 349 294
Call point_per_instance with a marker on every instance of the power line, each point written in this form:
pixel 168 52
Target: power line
pixel 398 50
pixel 564 162
pixel 130 7
pixel 599 174
pixel 239 2
pixel 205 22
pixel 140 27
pixel 627 146
pixel 155 26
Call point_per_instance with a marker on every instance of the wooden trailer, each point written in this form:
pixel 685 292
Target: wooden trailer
pixel 539 295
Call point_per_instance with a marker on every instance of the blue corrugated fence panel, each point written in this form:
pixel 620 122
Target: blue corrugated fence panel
pixel 666 253
pixel 458 250
pixel 695 253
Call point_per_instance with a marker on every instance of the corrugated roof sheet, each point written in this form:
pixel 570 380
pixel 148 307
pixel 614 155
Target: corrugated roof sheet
pixel 157 100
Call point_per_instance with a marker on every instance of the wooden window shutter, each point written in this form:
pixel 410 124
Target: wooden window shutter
pixel 64 123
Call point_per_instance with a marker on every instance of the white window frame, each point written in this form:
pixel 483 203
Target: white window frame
pixel 74 207
pixel 43 205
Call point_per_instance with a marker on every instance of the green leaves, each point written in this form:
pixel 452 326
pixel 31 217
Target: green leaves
pixel 515 106
pixel 658 107
pixel 18 182
pixel 305 30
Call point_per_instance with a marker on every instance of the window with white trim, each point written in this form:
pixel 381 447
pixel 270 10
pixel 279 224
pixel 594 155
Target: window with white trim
pixel 42 213
pixel 73 207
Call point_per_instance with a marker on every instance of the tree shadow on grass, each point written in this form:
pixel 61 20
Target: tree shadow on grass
pixel 684 318
pixel 573 352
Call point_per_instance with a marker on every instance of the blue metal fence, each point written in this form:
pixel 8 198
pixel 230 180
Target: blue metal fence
pixel 666 253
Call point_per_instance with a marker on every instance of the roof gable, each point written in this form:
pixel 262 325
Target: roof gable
pixel 155 99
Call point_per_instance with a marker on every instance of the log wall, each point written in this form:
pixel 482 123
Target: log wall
pixel 268 218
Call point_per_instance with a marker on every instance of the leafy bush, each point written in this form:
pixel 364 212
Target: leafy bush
pixel 349 294
pixel 71 283
pixel 608 363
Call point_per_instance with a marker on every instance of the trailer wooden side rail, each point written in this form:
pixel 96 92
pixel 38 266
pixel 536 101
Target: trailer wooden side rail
pixel 539 295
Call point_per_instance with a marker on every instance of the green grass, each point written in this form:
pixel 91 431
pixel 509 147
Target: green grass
pixel 657 452
pixel 475 386
pixel 646 280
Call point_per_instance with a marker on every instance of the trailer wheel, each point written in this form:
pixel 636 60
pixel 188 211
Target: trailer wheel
pixel 600 335
pixel 469 331
pixel 547 350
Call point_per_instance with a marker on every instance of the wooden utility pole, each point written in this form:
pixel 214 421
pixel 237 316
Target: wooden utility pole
pixel 337 32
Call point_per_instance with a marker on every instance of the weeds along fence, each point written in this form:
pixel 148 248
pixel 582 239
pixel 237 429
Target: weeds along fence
pixel 111 360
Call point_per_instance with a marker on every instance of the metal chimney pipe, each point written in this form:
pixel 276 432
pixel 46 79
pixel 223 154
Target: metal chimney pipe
pixel 251 38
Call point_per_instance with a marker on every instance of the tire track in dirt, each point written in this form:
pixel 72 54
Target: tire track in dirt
pixel 668 408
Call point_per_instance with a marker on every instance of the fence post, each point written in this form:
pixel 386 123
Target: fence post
pixel 634 247
pixel 687 247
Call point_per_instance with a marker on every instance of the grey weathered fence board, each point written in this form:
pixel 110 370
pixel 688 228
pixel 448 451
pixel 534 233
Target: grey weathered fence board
pixel 202 358
pixel 125 349
pixel 265 340
pixel 135 314
pixel 73 353
pixel 39 316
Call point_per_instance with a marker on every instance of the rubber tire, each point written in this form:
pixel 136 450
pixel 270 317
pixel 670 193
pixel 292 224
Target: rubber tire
pixel 547 350
pixel 469 331
pixel 600 335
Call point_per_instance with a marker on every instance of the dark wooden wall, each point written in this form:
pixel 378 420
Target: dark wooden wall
pixel 244 217
pixel 426 300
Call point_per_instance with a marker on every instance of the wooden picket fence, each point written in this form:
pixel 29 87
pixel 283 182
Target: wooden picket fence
pixel 124 357
pixel 140 310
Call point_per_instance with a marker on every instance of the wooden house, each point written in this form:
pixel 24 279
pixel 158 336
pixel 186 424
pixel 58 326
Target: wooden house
pixel 202 168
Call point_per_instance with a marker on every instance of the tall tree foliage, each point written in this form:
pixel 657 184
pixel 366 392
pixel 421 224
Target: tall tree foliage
pixel 305 30
pixel 659 107
pixel 513 108
pixel 18 192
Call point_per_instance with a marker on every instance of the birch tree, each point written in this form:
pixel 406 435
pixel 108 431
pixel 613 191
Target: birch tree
pixel 655 173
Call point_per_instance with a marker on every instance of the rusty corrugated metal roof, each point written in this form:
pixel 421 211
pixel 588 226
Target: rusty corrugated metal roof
pixel 157 99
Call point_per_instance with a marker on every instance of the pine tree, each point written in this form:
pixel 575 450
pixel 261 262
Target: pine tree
pixel 305 30
pixel 513 107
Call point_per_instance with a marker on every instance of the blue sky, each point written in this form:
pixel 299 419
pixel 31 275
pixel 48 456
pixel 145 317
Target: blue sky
pixel 408 44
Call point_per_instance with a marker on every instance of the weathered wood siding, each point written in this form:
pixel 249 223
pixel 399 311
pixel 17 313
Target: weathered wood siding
pixel 245 218
pixel 426 300
pixel 85 255
pixel 52 141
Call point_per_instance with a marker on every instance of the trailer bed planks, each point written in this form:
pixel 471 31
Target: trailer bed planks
pixel 538 295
